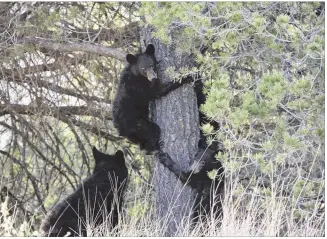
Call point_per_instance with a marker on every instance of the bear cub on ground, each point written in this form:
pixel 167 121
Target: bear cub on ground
pixel 94 199
pixel 137 87
pixel 197 178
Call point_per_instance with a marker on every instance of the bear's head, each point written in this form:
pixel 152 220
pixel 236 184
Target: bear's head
pixel 205 160
pixel 144 63
pixel 107 162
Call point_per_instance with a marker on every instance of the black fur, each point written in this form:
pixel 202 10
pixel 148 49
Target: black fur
pixel 95 197
pixel 197 178
pixel 201 99
pixel 137 87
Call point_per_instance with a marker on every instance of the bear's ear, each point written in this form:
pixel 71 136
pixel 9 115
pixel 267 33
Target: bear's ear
pixel 95 151
pixel 119 155
pixel 131 59
pixel 119 158
pixel 150 50
pixel 96 155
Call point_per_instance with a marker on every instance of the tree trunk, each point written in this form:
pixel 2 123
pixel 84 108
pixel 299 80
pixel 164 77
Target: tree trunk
pixel 177 116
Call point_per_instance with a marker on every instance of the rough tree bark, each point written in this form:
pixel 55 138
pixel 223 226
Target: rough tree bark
pixel 177 116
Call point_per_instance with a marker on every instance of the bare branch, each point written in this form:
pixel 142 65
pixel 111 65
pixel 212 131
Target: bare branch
pixel 119 36
pixel 61 114
pixel 30 177
pixel 90 128
pixel 69 110
pixel 38 151
pixel 6 192
pixel 56 88
pixel 73 46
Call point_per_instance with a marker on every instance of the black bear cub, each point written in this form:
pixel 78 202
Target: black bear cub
pixel 201 99
pixel 100 195
pixel 137 87
pixel 209 192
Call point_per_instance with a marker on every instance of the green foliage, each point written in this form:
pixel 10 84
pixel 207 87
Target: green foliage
pixel 273 87
pixel 207 128
pixel 212 174
pixel 264 71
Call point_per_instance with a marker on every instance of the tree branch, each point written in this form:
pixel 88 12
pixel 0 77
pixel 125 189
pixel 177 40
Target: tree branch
pixel 60 60
pixel 56 88
pixel 69 110
pixel 62 113
pixel 6 192
pixel 129 32
pixel 93 129
pixel 73 46
pixel 30 177
pixel 37 151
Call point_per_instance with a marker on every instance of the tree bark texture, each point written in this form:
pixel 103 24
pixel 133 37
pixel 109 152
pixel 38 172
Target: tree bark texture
pixel 177 116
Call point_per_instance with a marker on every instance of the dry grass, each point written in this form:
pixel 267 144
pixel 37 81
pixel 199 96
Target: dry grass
pixel 247 214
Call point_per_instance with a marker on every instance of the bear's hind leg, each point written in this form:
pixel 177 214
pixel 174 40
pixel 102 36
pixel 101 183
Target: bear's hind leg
pixel 149 133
